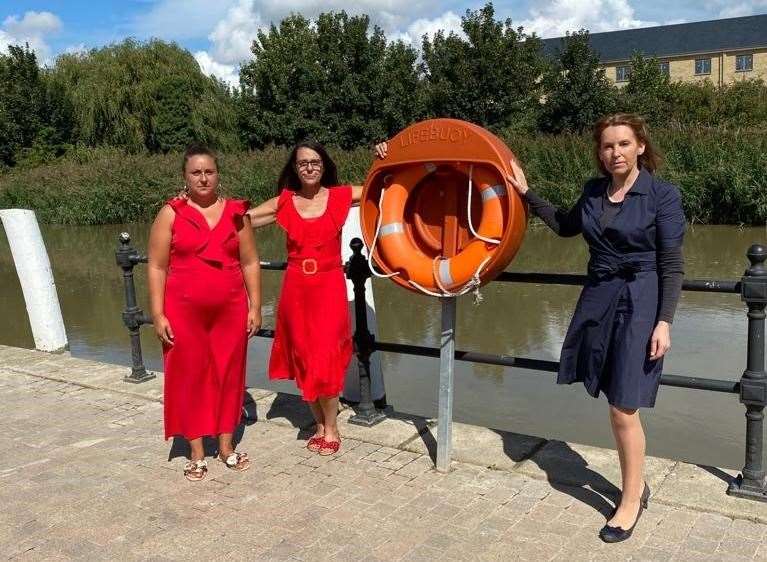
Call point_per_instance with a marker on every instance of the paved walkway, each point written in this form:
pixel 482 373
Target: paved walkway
pixel 87 476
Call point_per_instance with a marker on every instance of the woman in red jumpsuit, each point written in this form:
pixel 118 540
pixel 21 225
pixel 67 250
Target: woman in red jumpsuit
pixel 204 286
pixel 313 342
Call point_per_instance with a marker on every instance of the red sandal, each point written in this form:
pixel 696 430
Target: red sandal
pixel 314 444
pixel 329 447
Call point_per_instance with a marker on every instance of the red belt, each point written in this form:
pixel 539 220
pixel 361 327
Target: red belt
pixel 310 266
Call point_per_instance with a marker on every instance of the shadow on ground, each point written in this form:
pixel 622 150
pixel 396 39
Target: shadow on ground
pixel 566 470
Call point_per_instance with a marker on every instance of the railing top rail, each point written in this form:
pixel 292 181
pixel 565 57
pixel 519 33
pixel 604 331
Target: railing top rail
pixel 694 285
pixel 697 285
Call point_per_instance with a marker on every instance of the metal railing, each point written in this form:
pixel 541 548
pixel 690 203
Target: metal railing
pixel 751 388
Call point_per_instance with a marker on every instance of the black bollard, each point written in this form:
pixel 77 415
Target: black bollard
pixel 365 413
pixel 133 317
pixel 753 384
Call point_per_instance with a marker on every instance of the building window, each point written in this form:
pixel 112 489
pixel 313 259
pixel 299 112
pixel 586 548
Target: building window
pixel 664 69
pixel 744 63
pixel 702 66
pixel 622 73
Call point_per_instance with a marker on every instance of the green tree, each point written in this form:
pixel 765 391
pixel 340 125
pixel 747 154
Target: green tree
pixel 490 78
pixel 335 80
pixel 145 96
pixel 22 102
pixel 577 90
pixel 648 92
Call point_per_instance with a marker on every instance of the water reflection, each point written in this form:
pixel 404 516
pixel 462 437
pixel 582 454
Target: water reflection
pixel 516 319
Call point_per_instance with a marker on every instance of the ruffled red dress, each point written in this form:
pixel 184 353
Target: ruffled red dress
pixel 207 306
pixel 313 342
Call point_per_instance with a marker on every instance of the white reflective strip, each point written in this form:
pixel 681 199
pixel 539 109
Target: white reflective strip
pixel 391 228
pixel 494 192
pixel 430 167
pixel 444 273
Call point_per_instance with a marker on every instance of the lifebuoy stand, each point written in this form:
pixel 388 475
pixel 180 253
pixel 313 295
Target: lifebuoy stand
pixel 446 371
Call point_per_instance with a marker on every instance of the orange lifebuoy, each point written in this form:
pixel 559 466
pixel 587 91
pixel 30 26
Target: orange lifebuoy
pixel 403 256
pixel 422 235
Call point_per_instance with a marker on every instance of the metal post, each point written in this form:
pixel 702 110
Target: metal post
pixel 753 384
pixel 446 369
pixel 365 413
pixel 127 257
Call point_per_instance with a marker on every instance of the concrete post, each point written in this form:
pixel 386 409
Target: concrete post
pixel 36 278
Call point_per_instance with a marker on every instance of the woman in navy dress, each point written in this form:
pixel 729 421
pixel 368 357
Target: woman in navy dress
pixel 634 225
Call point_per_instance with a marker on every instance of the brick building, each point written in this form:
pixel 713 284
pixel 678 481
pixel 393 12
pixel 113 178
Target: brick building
pixel 721 51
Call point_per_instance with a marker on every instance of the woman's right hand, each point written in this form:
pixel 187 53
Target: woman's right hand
pixel 381 149
pixel 517 180
pixel 163 330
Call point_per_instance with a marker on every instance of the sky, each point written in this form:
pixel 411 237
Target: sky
pixel 220 32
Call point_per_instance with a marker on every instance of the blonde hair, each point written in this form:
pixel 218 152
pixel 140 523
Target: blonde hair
pixel 650 159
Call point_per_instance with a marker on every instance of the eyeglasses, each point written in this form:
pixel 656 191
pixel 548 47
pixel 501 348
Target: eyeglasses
pixel 309 163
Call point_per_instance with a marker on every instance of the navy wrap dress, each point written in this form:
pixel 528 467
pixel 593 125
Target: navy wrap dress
pixel 607 343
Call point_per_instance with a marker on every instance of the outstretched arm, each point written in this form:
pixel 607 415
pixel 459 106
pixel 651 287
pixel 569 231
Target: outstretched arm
pixel 565 223
pixel 263 214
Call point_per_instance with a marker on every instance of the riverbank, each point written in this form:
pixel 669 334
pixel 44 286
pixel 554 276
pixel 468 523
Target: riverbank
pixel 722 175
pixel 585 476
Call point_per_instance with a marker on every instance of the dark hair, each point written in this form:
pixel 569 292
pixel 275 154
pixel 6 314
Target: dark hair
pixel 289 177
pixel 198 149
pixel 650 159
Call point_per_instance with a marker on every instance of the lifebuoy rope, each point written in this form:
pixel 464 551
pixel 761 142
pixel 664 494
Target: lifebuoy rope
pixel 471 284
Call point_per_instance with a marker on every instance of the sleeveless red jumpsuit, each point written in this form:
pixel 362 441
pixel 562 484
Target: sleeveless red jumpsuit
pixel 207 306
pixel 313 343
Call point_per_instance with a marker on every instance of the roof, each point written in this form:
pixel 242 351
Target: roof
pixel 672 40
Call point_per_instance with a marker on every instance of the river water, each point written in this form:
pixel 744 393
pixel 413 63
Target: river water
pixel 526 320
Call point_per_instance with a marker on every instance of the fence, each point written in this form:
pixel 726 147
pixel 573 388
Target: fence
pixel 751 388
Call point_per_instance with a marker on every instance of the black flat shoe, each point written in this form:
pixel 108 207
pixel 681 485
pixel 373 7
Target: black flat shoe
pixel 644 500
pixel 618 534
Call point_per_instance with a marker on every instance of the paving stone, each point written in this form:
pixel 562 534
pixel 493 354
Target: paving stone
pixel 91 491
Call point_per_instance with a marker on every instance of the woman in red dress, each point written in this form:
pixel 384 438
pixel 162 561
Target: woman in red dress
pixel 313 341
pixel 204 286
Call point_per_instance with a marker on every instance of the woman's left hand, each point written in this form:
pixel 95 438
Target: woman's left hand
pixel 254 321
pixel 660 342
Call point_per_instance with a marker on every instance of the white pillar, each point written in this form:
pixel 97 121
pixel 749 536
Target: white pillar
pixel 352 387
pixel 36 278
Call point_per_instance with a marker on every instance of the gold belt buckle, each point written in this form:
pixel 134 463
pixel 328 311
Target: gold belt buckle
pixel 309 261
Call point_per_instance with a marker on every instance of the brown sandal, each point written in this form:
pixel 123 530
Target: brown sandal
pixel 194 471
pixel 236 461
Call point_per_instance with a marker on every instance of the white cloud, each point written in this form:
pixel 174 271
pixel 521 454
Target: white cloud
pixel 729 9
pixel 414 33
pixel 33 28
pixel 233 35
pixel 554 18
pixel 176 20
pixel 229 73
